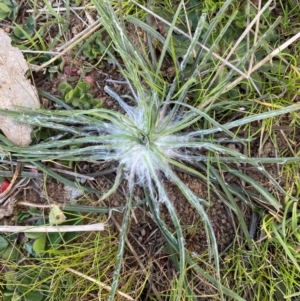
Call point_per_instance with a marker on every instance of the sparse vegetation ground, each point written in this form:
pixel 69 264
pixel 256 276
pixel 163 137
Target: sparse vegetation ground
pixel 174 123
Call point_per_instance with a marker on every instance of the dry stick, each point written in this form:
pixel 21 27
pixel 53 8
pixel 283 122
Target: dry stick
pixel 248 8
pixel 287 142
pixel 52 229
pixel 103 285
pixel 257 66
pixel 248 47
pixel 15 163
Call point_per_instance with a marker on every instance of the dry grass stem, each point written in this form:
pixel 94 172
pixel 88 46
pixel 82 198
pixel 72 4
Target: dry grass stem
pixel 103 285
pixel 58 49
pixel 257 66
pixel 187 36
pixel 52 229
pixel 83 37
pixel 266 59
pixel 255 39
pixel 58 9
pixel 240 39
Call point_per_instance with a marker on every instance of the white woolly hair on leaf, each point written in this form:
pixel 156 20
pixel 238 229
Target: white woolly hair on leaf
pixel 143 144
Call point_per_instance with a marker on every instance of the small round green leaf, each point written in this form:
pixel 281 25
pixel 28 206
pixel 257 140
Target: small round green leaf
pixel 4 8
pixel 83 86
pixel 69 96
pixel 75 102
pixel 39 244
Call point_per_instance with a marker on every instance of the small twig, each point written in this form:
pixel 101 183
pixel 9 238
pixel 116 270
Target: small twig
pixel 35 205
pixel 188 25
pixel 52 229
pixel 122 82
pixel 12 182
pixel 35 51
pixel 103 285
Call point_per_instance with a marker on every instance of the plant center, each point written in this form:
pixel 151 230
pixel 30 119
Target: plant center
pixel 145 140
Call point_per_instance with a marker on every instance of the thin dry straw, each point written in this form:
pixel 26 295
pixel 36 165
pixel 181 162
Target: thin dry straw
pixel 261 63
pixel 240 39
pixel 186 35
pixel 58 9
pixel 53 229
pixel 103 285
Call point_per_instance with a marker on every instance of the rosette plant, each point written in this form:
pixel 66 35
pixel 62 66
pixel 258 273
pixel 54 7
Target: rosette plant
pixel 164 127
